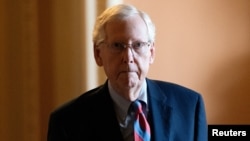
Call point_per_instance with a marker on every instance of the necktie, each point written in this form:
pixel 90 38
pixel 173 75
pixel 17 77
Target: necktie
pixel 141 126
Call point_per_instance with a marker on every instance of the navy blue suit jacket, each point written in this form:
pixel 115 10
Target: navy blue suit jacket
pixel 175 114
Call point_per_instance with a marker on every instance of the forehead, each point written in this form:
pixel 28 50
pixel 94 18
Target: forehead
pixel 128 28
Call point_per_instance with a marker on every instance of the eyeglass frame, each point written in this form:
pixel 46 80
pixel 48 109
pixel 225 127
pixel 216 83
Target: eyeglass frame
pixel 122 46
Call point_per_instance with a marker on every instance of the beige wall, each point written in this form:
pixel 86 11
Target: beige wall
pixel 45 60
pixel 45 51
pixel 205 45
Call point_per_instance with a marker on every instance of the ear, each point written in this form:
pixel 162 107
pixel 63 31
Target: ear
pixel 97 55
pixel 152 53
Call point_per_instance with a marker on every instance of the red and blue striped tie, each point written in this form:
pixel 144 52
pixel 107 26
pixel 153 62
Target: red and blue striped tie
pixel 141 126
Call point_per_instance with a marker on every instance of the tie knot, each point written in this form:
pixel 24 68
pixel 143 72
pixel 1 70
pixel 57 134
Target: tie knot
pixel 138 106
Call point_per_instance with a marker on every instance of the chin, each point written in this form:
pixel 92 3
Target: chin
pixel 131 83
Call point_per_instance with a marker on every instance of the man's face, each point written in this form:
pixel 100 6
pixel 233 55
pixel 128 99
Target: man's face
pixel 126 69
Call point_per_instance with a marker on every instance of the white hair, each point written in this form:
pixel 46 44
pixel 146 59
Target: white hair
pixel 120 11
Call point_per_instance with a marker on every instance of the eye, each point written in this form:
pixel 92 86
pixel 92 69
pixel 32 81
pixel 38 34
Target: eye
pixel 117 45
pixel 138 45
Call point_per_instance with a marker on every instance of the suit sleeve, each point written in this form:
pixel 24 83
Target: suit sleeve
pixel 201 122
pixel 55 130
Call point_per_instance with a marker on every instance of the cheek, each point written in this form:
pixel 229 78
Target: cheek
pixel 110 65
pixel 147 59
pixel 144 63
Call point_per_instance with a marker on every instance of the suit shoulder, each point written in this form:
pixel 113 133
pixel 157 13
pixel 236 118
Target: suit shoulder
pixel 177 94
pixel 173 88
pixel 74 106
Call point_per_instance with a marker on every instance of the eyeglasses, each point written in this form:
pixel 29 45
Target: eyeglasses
pixel 137 47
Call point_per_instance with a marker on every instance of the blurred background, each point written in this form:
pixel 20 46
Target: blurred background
pixel 46 57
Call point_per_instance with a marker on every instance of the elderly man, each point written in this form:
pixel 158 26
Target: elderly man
pixel 129 106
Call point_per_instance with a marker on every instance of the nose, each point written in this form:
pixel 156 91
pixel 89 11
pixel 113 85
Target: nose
pixel 128 55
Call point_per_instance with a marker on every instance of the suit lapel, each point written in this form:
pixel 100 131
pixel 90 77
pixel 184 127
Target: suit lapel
pixel 159 112
pixel 106 124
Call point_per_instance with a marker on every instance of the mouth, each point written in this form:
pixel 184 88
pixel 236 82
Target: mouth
pixel 128 72
pixel 127 75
